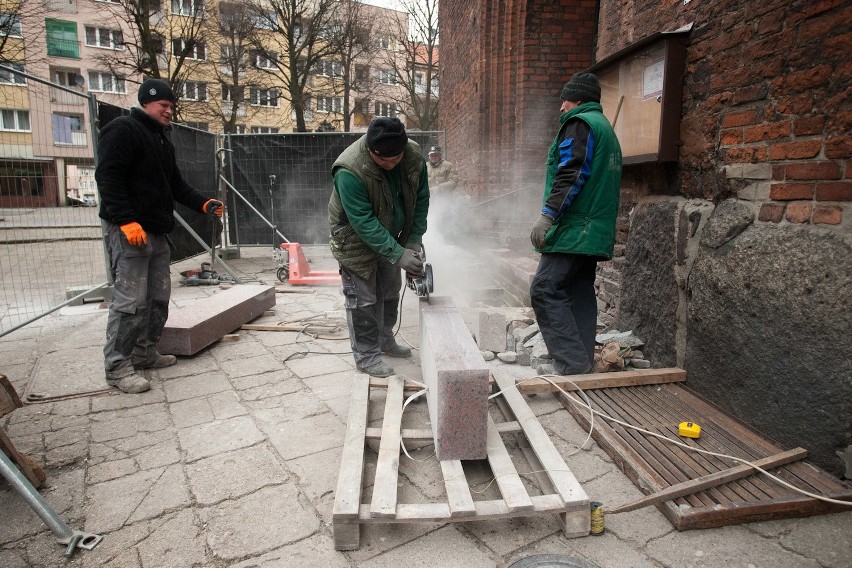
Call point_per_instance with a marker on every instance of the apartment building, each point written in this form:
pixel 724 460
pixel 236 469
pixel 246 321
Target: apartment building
pixel 68 49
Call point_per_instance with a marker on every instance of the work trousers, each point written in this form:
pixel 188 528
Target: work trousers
pixel 372 306
pixel 562 294
pixel 140 300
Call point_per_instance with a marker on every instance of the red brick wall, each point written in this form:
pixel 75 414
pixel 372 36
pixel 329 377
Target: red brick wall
pixel 766 111
pixel 502 66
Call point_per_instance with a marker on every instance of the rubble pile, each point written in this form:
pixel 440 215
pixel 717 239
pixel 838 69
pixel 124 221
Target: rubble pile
pixel 513 336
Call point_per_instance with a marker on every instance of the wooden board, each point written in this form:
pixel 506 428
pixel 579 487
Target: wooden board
pixel 655 465
pixel 571 505
pixel 632 377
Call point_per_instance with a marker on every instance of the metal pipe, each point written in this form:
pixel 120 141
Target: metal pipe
pixel 207 248
pixel 254 209
pixel 54 308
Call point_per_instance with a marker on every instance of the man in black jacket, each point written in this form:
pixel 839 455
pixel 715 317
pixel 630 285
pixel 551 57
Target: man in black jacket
pixel 139 181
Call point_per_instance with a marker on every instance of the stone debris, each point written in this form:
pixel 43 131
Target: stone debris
pixel 508 356
pixel 517 339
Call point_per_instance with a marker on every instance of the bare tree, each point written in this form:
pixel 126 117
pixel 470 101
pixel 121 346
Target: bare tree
pixel 233 65
pixel 15 17
pixel 156 45
pixel 416 71
pixel 295 43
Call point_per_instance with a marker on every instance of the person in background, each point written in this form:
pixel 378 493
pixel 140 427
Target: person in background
pixel 139 182
pixel 443 177
pixel 576 226
pixel 377 217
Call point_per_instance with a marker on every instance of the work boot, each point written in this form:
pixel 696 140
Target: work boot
pixel 380 369
pixel 394 349
pixel 131 384
pixel 156 361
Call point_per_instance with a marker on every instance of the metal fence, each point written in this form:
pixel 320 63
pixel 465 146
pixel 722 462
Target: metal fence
pixel 51 245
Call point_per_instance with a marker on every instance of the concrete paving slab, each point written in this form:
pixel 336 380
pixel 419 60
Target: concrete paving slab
pixel 212 438
pixel 194 386
pixel 211 480
pixel 306 436
pixel 317 550
pixel 438 548
pixel 252 366
pixel 252 524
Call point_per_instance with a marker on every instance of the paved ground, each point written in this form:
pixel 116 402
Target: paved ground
pixel 231 460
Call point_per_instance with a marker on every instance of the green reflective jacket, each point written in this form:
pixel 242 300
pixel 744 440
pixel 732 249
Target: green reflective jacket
pixel 588 225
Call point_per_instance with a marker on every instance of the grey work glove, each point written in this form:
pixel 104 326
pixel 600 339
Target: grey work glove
pixel 411 262
pixel 539 230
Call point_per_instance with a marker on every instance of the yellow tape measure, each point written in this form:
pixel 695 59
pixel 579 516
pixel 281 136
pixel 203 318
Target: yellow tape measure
pixel 689 429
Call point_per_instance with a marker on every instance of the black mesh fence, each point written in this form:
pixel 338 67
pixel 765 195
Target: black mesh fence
pixel 287 177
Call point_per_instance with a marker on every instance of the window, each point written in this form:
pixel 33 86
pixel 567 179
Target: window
pixel 383 43
pixel 189 48
pixel 198 125
pixel 385 109
pixel 386 76
pixel 193 91
pixel 106 83
pixel 266 21
pixel 239 129
pixel 329 68
pixel 362 74
pixel 15 120
pixel 10 78
pixel 68 129
pixel 67 77
pixel 264 60
pixel 362 106
pixel 104 37
pixel 10 25
pixel 62 38
pixel 263 97
pixel 264 130
pixel 232 93
pixel 329 104
pixel 188 7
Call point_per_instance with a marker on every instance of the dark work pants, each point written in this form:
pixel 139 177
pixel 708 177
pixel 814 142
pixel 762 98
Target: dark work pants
pixel 372 306
pixel 562 294
pixel 140 300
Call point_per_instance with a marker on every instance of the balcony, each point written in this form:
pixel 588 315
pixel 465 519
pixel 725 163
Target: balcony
pixel 63 48
pixel 63 6
pixel 62 97
pixel 76 138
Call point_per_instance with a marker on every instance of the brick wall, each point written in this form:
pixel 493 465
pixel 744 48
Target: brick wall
pixel 502 65
pixel 766 114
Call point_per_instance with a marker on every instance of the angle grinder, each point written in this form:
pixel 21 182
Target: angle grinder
pixel 421 283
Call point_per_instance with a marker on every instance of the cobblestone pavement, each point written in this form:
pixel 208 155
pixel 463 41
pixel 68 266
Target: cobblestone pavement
pixel 231 460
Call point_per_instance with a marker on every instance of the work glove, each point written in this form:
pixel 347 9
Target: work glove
pixel 214 207
pixel 135 234
pixel 415 247
pixel 539 230
pixel 411 262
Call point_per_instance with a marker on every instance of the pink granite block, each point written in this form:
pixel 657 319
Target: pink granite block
pixel 492 331
pixel 191 329
pixel 457 377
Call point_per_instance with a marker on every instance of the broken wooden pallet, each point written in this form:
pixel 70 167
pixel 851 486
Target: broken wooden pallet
pixel 656 466
pixel 561 495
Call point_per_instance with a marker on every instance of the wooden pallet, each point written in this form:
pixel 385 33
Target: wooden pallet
pixel 561 493
pixel 655 466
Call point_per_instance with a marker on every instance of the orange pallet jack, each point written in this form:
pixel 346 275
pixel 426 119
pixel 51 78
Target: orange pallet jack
pixel 293 266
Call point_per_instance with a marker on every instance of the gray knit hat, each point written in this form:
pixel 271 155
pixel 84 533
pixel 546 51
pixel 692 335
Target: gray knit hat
pixel 582 87
pixel 155 90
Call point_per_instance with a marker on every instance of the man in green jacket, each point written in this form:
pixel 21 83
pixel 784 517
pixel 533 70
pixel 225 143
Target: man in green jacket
pixel 377 217
pixel 576 227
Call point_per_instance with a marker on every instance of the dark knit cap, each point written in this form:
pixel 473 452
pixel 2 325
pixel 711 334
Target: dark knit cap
pixel 435 150
pixel 582 87
pixel 155 90
pixel 386 136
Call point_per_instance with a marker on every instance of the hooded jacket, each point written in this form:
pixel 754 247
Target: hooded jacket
pixel 137 174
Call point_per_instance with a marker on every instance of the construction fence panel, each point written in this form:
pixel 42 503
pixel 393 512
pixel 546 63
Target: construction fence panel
pixel 50 234
pixel 287 178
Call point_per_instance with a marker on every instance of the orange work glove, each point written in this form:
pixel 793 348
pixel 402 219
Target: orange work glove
pixel 135 234
pixel 214 207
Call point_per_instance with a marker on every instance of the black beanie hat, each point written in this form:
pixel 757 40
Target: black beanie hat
pixel 155 90
pixel 386 136
pixel 582 87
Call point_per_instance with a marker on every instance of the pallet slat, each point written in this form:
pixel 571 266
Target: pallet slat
pixel 347 497
pixel 505 474
pixel 459 498
pixel 387 468
pixel 563 481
